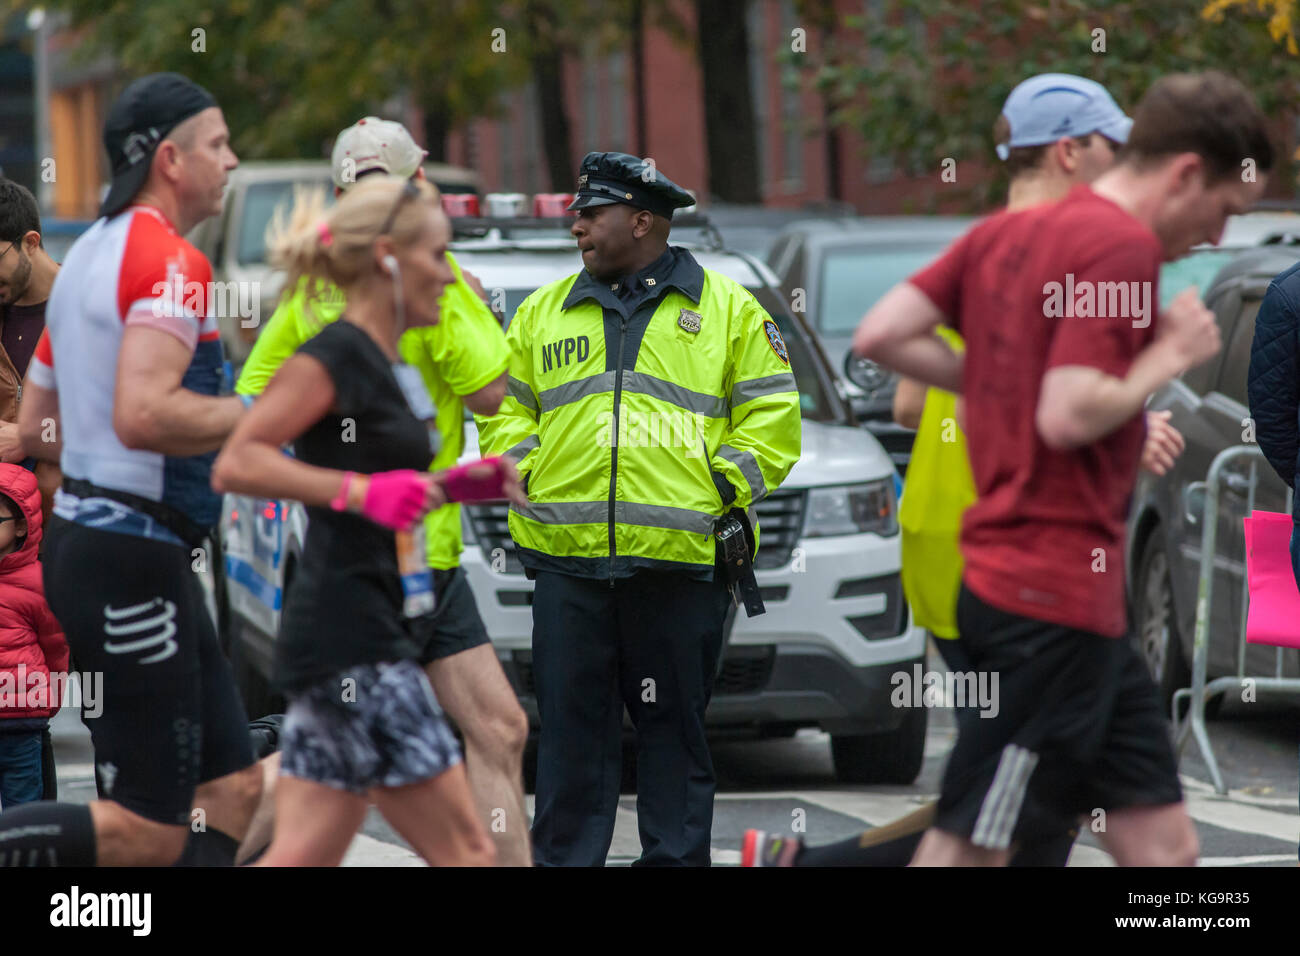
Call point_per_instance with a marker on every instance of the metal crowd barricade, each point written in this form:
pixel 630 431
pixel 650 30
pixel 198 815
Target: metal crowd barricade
pixel 1194 723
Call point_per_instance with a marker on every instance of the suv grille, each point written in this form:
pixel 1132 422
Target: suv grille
pixel 491 528
pixel 780 517
pixel 780 522
pixel 745 669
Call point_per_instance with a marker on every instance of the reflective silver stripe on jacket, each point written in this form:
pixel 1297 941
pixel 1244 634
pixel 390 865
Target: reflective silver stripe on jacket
pixel 523 448
pixel 743 392
pixel 699 403
pixel 625 512
pixel 748 466
pixel 521 393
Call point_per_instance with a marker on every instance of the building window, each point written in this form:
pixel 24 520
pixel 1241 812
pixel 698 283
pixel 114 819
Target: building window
pixel 883 169
pixel 591 113
pixel 521 153
pixel 533 153
pixel 617 112
pixel 792 126
pixel 517 134
pixel 760 60
pixel 879 170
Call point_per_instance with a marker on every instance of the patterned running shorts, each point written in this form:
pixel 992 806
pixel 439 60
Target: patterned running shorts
pixel 374 725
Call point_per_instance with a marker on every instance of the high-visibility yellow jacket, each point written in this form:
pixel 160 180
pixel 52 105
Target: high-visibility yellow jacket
pixel 636 432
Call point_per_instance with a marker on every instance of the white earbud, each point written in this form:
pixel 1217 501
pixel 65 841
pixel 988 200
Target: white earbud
pixel 390 263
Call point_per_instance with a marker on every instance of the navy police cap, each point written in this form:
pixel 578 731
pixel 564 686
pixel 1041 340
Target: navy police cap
pixel 617 177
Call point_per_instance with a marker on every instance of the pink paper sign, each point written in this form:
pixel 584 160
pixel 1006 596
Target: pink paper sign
pixel 1274 614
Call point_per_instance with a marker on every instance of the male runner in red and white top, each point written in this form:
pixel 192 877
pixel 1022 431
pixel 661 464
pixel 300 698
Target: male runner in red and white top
pixel 135 360
pixel 1062 350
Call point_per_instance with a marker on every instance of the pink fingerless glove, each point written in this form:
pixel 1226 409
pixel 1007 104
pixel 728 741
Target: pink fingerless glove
pixel 461 487
pixel 395 499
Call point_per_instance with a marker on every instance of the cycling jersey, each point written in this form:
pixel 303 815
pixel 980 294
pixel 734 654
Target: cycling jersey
pixel 40 371
pixel 131 269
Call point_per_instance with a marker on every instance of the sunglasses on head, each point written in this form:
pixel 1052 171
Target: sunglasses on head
pixel 409 191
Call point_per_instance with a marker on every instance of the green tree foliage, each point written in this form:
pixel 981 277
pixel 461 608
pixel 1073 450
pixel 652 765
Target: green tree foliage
pixel 924 80
pixel 1282 16
pixel 290 75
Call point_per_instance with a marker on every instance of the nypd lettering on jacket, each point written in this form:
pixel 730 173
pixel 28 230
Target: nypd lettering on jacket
pixel 636 430
pixel 564 352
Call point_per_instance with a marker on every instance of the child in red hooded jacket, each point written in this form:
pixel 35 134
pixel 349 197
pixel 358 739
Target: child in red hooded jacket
pixel 32 648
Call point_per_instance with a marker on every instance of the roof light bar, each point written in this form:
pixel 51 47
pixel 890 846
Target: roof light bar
pixel 551 205
pixel 505 205
pixel 460 205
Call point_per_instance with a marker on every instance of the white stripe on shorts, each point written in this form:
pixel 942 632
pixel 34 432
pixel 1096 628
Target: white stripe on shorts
pixel 1001 806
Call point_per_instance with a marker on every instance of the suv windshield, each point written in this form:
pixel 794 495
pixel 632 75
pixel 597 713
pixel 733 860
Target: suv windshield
pixel 854 277
pixel 814 403
pixel 260 202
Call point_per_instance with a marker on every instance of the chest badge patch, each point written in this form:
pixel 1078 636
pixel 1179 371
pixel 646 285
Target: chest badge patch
pixel 690 321
pixel 774 339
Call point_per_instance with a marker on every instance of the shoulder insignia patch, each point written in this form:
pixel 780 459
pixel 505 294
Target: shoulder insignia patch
pixel 690 321
pixel 774 339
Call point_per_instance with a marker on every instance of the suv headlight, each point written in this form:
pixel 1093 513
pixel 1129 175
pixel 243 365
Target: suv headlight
pixel 852 509
pixel 468 536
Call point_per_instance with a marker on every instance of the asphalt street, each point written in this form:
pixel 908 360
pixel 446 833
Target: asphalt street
pixel 762 783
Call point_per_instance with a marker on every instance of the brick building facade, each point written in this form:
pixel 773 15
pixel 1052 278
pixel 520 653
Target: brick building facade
pixel 793 145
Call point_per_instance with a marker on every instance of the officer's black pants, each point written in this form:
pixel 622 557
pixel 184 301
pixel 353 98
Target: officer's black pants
pixel 651 644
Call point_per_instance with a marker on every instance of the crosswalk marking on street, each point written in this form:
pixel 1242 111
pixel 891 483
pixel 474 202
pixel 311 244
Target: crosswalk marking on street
pixel 1238 796
pixel 1254 814
pixel 367 851
pixel 874 809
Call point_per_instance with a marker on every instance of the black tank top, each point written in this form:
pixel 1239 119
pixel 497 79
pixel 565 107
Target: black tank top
pixel 345 603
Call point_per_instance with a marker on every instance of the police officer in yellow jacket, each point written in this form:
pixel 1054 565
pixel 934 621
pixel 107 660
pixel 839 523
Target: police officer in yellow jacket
pixel 646 397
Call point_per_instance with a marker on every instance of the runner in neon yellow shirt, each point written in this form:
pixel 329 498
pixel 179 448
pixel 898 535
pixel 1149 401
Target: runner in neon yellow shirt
pixel 938 491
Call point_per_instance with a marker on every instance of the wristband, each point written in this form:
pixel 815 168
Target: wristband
pixel 340 503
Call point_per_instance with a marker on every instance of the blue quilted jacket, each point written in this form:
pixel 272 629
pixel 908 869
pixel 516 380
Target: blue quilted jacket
pixel 1273 384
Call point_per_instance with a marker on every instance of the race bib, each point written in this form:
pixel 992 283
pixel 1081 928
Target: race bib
pixel 418 400
pixel 417 580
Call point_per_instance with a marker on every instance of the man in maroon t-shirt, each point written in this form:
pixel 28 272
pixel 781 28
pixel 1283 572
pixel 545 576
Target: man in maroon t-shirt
pixel 1057 307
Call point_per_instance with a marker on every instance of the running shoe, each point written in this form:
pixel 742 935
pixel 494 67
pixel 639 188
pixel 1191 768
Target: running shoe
pixel 769 849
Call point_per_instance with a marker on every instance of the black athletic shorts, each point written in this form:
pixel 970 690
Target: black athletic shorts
pixel 1078 728
pixel 1048 848
pixel 455 625
pixel 170 717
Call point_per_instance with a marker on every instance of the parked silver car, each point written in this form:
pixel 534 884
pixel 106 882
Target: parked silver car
pixel 834 270
pixel 1209 407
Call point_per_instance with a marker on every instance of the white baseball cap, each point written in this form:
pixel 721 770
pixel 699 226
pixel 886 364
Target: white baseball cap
pixel 374 144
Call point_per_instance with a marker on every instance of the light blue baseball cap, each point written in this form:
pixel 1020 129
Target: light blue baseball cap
pixel 1049 106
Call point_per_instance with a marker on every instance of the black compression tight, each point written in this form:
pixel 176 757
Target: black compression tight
pixel 47 834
